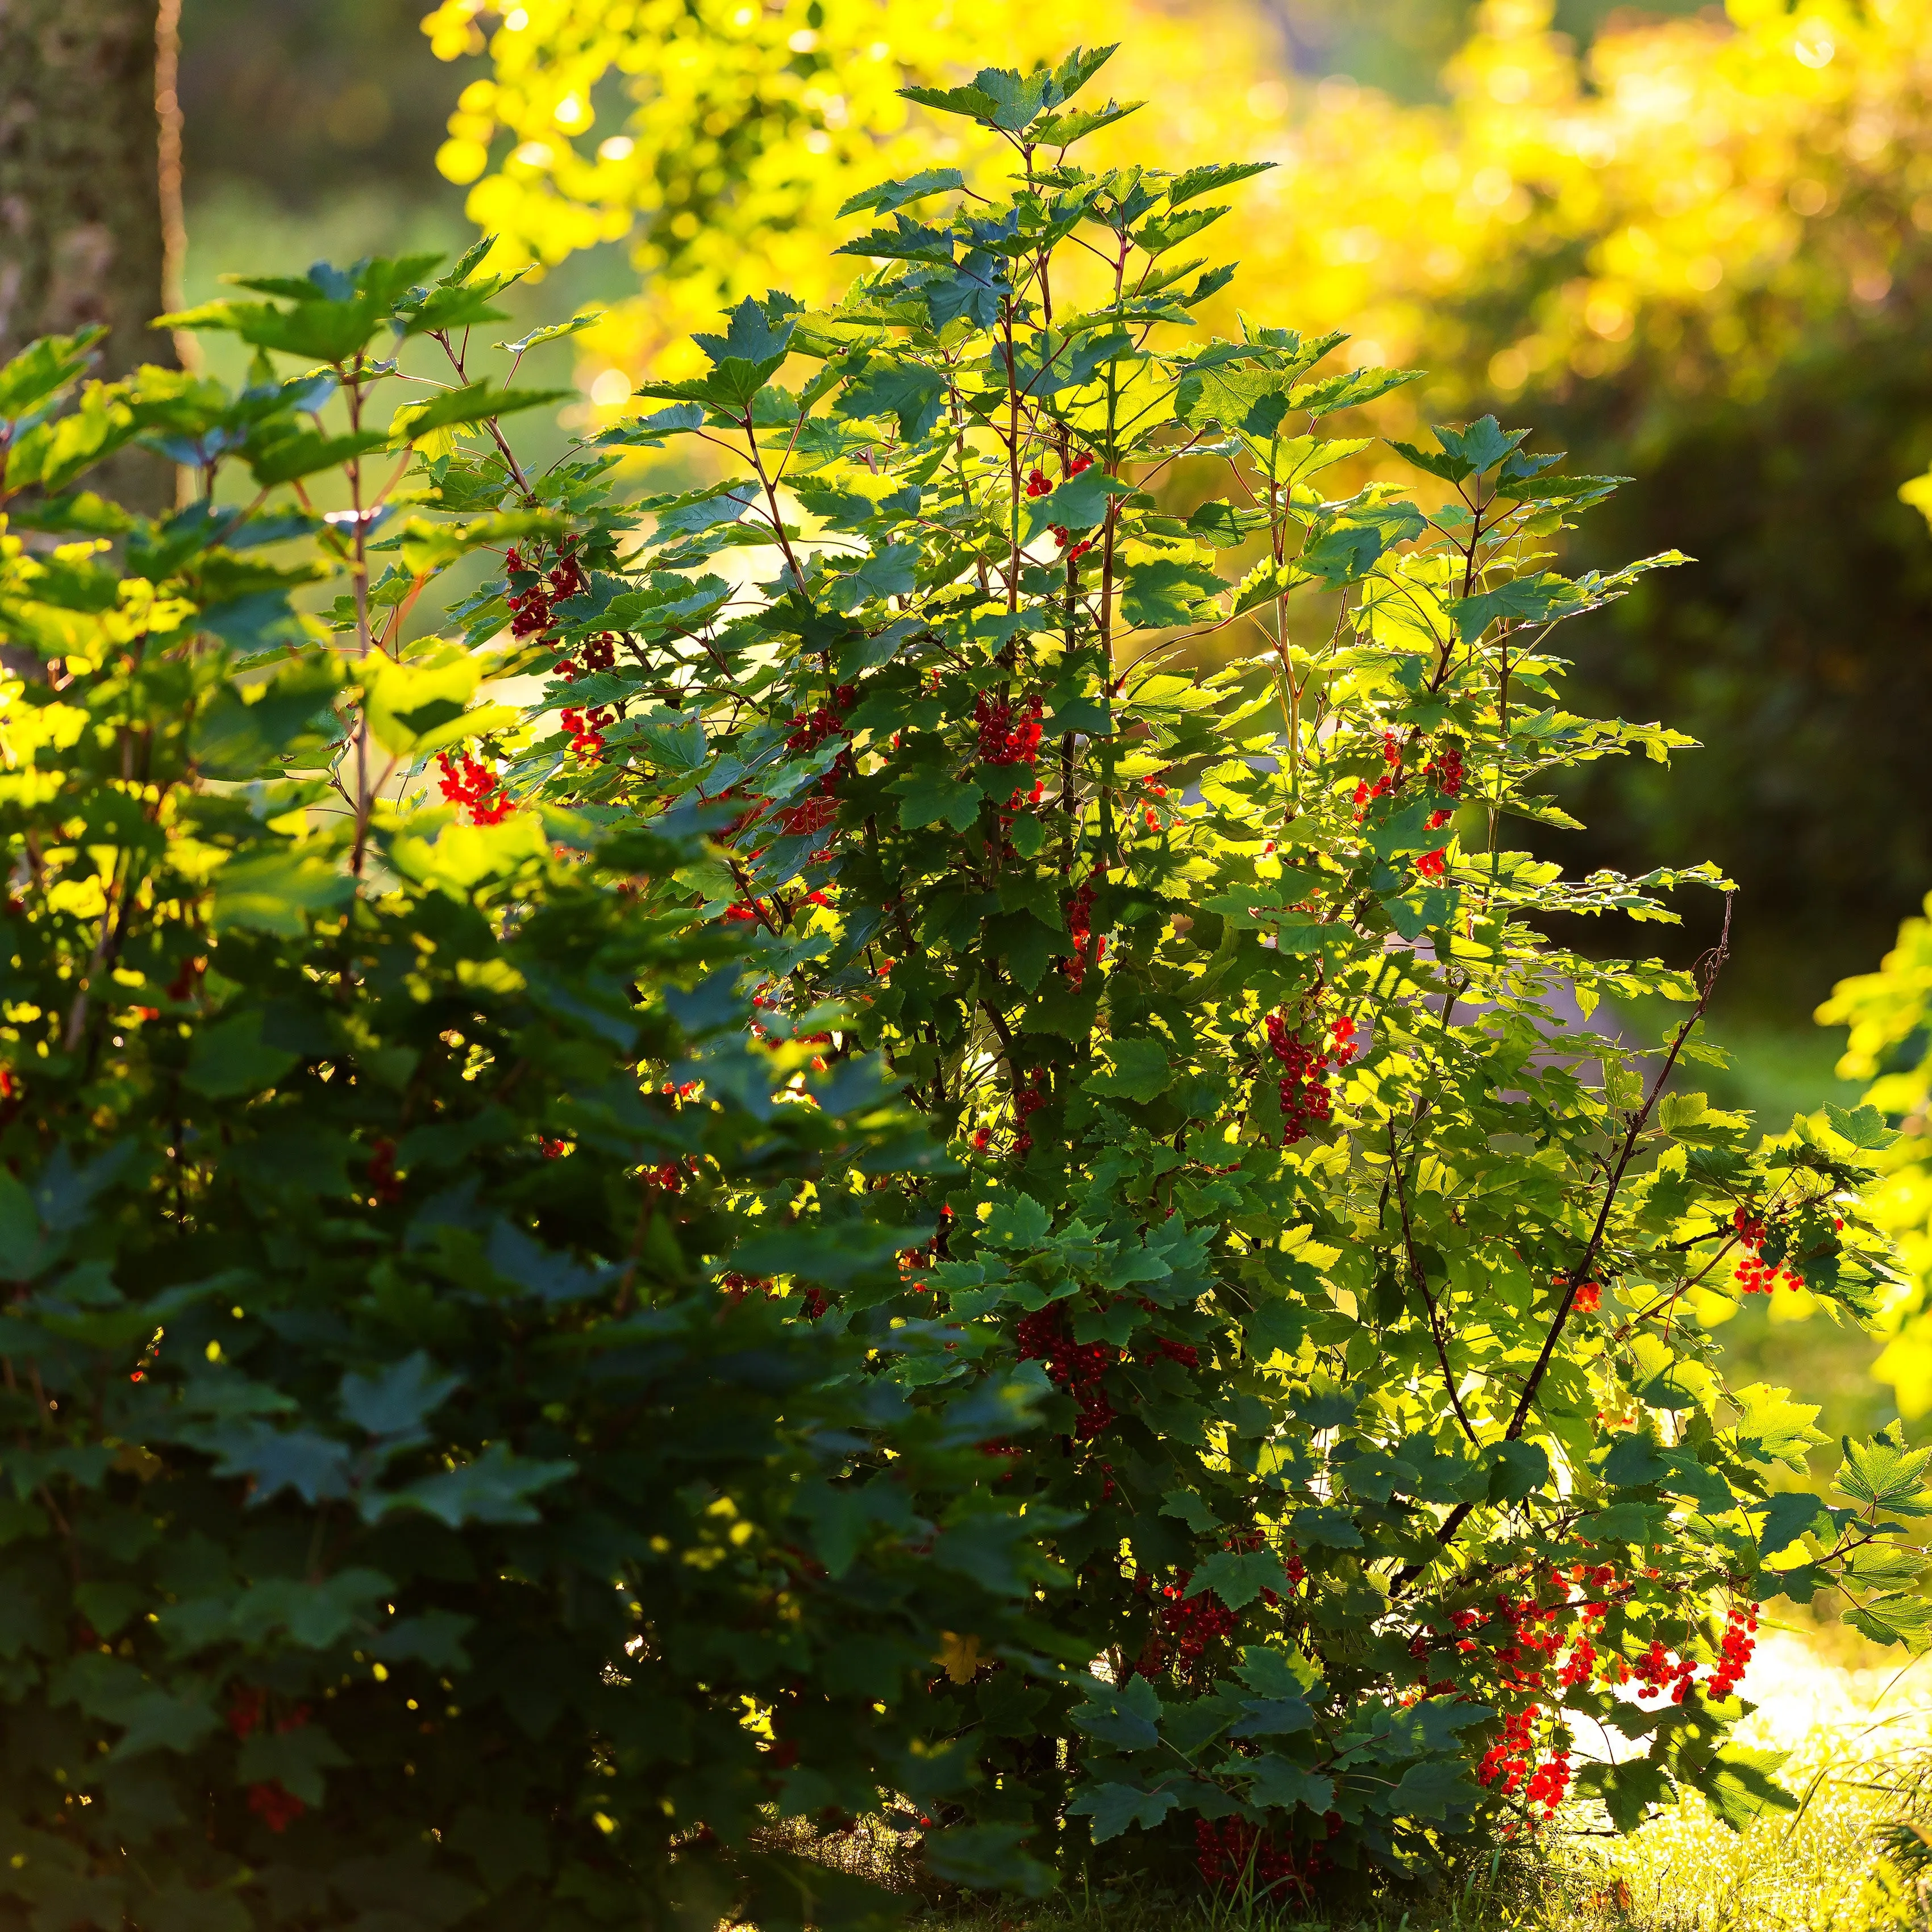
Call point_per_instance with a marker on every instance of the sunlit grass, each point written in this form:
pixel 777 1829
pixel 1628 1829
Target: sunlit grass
pixel 1857 1722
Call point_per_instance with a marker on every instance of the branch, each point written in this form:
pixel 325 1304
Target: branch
pixel 1708 969
pixel 1422 1286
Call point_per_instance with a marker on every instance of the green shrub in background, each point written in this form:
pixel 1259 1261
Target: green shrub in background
pixel 1362 1287
pixel 1889 1013
pixel 1790 652
pixel 411 1518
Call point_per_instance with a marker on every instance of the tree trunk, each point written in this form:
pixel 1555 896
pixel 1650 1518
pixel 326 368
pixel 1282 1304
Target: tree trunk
pixel 83 237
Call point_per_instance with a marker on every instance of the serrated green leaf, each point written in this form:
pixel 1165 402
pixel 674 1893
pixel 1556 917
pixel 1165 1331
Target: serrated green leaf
pixel 1113 1808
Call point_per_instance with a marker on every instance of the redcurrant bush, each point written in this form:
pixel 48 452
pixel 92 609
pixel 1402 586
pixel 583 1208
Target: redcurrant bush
pixel 1135 755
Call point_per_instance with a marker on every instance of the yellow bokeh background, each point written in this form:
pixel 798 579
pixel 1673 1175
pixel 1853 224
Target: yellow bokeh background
pixel 1676 167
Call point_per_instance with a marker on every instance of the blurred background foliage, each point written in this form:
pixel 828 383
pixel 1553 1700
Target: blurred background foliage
pixel 1693 247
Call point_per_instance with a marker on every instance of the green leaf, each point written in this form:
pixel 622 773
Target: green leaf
pixel 44 368
pixel 1630 1790
pixel 1273 1716
pixel 1062 131
pixel 292 455
pixel 997 96
pixel 1194 182
pixel 986 1858
pixel 231 1058
pixel 106 1607
pixel 1272 1672
pixel 1434 1789
pixel 476 402
pixel 892 572
pixel 1266 582
pixel 277 889
pixel 1738 1786
pixel 53 454
pixel 275 1459
pixel 295 1759
pixel 1218 524
pixel 1787 1516
pixel 1517 1470
pixel 1864 1127
pixel 1283 1785
pixel 1015 1221
pixel 1192 1510
pixel 934 798
pixel 699 511
pixel 890 195
pixel 1886 1475
pixel 1077 503
pixel 20 1253
pixel 1141 1071
pixel 160 1720
pixel 246 729
pixel 837 1253
pixel 843 1515
pixel 1351 389
pixel 1238 1577
pixel 1113 1808
pixel 417 707
pixel 1161 233
pixel 428 548
pixel 1904 1618
pixel 1164 594
pixel 1125 1716
pixel 1349 548
pixel 1525 600
pixel 649 432
pixel 395 1401
pixel 1663 1379
pixel 495 1487
pixel 434 1638
pixel 909 392
pixel 554 331
pixel 757 332
pixel 1772 1428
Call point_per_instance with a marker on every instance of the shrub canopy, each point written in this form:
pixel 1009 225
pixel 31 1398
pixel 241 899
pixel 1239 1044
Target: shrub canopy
pixel 411 1517
pixel 1366 1288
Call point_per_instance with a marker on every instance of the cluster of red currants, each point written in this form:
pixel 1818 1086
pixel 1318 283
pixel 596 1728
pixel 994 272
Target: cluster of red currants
pixel 1366 794
pixel 1306 1099
pixel 1194 1622
pixel 530 608
pixel 587 728
pixel 1075 1367
pixel 597 653
pixel 1078 914
pixel 1027 1102
pixel 1445 772
pixel 1755 1275
pixel 1734 1650
pixel 1658 1670
pixel 809 730
pixel 1009 734
pixel 474 787
pixel 1232 1855
pixel 276 1808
